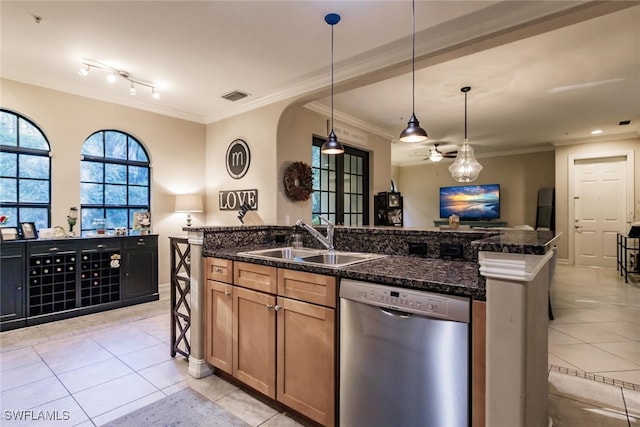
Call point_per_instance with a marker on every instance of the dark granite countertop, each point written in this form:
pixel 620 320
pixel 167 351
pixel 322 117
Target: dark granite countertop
pixel 455 277
pixel 434 275
pixel 528 242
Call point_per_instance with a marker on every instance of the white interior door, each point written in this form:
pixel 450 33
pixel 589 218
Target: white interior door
pixel 600 198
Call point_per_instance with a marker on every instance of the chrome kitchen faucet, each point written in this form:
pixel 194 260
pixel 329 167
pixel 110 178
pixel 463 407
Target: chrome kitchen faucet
pixel 326 241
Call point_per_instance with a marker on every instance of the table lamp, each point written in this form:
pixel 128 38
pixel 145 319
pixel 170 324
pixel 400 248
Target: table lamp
pixel 188 203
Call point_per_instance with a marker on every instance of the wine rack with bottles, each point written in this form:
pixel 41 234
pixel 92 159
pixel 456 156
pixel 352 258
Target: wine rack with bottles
pixel 99 277
pixel 43 280
pixel 52 279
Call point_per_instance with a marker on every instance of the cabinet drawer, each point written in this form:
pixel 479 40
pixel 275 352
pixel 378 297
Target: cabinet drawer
pixel 51 248
pixel 309 287
pixel 138 241
pixel 255 276
pixel 219 269
pixel 100 245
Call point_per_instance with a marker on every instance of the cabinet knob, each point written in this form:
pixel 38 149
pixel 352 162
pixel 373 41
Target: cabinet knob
pixel 269 306
pixel 102 246
pixel 54 249
pixel 217 270
pixel 227 293
pixel 277 307
pixel 141 243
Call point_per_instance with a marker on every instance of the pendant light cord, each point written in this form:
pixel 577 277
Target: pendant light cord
pixel 413 59
pixel 332 76
pixel 465 117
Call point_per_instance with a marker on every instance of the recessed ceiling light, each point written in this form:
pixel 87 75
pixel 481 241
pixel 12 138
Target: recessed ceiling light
pixel 596 132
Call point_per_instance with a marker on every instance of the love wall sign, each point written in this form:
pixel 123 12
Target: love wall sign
pixel 233 200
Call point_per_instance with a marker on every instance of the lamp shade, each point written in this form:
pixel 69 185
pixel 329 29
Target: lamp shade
pixel 188 203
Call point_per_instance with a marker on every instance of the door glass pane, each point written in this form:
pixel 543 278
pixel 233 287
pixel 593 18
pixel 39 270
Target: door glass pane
pixel 332 181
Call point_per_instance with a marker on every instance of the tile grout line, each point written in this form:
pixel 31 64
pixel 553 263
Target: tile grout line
pixel 595 377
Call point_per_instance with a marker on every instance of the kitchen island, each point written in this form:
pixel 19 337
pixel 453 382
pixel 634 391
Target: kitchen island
pixel 505 274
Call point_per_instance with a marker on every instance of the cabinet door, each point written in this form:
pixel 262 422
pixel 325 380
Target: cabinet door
pixel 306 359
pixel 218 328
pixel 140 269
pixel 254 339
pixel 12 280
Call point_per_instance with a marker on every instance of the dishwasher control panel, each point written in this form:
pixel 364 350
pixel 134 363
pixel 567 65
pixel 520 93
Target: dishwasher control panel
pixel 407 300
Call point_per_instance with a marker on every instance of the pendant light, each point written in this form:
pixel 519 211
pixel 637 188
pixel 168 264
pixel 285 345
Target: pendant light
pixel 332 146
pixel 465 168
pixel 413 132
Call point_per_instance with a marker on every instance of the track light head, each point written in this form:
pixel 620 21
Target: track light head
pixel 84 70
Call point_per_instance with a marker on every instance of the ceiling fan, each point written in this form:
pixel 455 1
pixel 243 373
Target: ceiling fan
pixel 435 155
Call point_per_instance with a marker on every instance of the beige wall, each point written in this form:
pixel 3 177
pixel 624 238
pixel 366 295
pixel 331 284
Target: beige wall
pixel 562 155
pixel 175 147
pixel 520 177
pixel 295 132
pixel 258 128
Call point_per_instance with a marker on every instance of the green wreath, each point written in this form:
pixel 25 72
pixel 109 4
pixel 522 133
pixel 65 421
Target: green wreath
pixel 298 181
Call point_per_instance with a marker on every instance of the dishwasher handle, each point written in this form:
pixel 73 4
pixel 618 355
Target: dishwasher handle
pixel 396 313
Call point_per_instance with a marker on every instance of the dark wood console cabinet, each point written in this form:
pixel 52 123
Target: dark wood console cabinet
pixel 46 280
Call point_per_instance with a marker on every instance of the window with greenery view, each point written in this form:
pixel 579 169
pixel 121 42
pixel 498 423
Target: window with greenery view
pixel 340 186
pixel 25 171
pixel 114 180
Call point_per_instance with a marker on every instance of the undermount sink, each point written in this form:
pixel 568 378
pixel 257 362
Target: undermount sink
pixel 313 256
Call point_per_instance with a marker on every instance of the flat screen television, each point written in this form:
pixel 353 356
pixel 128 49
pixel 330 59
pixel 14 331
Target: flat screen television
pixel 470 202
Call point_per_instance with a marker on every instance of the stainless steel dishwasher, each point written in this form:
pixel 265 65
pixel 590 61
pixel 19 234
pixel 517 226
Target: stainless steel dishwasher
pixel 404 357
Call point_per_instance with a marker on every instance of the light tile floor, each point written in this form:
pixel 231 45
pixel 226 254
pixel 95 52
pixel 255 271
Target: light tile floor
pixel 90 370
pixel 93 369
pixel 594 349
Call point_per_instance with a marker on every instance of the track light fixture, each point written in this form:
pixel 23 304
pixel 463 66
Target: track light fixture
pixel 413 132
pixel 332 146
pixel 114 73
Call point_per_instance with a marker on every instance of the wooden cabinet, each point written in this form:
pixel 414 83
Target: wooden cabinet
pixel 254 339
pixel 140 265
pixel 219 325
pixel 306 359
pixel 12 302
pixel 282 329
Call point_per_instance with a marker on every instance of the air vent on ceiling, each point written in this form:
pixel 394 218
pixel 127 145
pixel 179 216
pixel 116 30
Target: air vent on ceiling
pixel 624 122
pixel 235 95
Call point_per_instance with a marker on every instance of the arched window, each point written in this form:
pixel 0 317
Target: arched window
pixel 114 180
pixel 25 171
